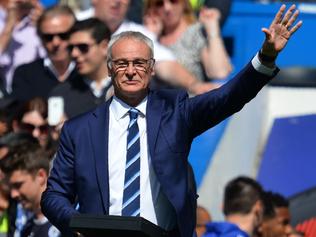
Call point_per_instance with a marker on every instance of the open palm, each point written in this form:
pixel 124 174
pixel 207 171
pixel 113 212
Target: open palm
pixel 280 30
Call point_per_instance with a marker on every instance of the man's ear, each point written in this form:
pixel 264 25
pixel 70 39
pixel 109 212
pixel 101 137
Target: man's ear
pixel 42 176
pixel 153 71
pixel 104 43
pixel 257 210
pixel 258 207
pixel 109 70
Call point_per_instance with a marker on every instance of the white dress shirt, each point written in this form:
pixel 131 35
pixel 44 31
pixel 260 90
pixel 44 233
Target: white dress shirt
pixel 154 206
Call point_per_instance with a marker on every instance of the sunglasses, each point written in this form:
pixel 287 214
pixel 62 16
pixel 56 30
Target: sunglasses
pixel 83 48
pixel 160 3
pixel 50 37
pixel 30 128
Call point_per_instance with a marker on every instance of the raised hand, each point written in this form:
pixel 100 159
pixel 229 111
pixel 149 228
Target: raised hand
pixel 210 17
pixel 153 22
pixel 280 31
pixel 36 11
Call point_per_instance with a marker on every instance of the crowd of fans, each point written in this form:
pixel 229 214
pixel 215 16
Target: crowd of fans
pixel 46 55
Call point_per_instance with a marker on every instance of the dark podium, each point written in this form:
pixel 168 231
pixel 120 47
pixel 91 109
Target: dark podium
pixel 114 226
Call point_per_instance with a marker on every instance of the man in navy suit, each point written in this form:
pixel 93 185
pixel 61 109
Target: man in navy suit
pixel 89 167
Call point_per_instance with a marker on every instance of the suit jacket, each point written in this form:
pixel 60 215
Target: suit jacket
pixel 34 79
pixel 80 169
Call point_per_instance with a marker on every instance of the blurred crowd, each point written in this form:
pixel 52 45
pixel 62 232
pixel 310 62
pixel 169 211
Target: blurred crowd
pixel 53 67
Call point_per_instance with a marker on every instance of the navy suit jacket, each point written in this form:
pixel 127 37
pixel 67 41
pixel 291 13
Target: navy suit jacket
pixel 80 170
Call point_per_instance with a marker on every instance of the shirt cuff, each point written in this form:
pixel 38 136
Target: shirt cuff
pixel 261 68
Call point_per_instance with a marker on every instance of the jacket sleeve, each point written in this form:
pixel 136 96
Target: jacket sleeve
pixel 207 110
pixel 58 200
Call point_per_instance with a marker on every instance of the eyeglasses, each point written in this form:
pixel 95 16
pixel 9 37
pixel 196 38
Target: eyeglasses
pixel 50 37
pixel 83 48
pixel 160 3
pixel 30 128
pixel 140 64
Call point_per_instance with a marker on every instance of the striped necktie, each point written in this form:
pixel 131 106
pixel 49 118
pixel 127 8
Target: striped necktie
pixel 131 195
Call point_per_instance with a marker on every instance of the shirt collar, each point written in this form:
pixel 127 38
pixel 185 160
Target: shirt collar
pixel 93 85
pixel 49 64
pixel 120 109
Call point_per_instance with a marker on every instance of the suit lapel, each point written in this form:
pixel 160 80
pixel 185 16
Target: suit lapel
pixel 99 124
pixel 153 116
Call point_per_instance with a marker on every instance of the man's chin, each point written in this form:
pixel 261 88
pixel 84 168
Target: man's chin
pixel 26 205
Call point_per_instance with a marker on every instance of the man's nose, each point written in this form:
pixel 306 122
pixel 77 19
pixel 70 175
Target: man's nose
pixel 36 132
pixel 56 40
pixel 15 193
pixel 130 70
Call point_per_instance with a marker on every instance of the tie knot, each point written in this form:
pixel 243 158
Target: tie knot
pixel 133 113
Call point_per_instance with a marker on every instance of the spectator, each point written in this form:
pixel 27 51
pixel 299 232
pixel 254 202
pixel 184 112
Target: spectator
pixel 38 78
pixel 276 223
pixel 243 210
pixel 13 140
pixel 272 225
pixel 17 216
pixel 202 218
pixel 27 171
pixel 114 15
pixel 175 25
pixel 88 48
pixel 19 42
pixel 32 118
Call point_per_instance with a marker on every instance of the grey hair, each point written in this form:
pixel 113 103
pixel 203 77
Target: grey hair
pixel 129 35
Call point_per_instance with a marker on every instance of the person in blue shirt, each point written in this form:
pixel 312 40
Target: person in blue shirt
pixel 243 210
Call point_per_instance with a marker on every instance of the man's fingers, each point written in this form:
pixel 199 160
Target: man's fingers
pixel 292 19
pixel 287 15
pixel 266 32
pixel 296 27
pixel 278 17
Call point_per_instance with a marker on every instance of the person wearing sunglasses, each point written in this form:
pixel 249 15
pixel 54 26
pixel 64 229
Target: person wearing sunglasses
pixel 129 156
pixel 175 25
pixel 39 77
pixel 87 47
pixel 19 43
pixel 168 71
pixel 31 118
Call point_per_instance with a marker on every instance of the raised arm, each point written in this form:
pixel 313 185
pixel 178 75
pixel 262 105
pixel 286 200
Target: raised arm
pixel 10 22
pixel 211 108
pixel 214 56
